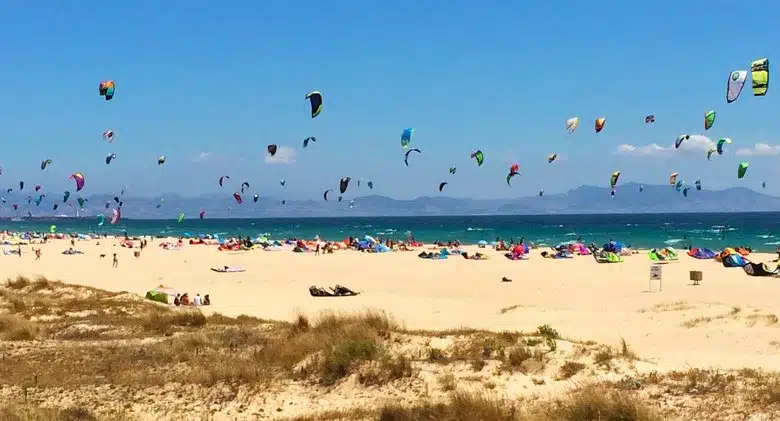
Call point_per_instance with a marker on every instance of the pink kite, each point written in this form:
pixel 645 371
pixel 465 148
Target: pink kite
pixel 79 178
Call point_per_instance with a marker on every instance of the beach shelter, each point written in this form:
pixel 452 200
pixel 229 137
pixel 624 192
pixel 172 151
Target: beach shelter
pixel 161 294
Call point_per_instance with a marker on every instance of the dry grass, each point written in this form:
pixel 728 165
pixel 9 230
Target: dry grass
pixel 35 413
pixel 591 402
pixel 180 343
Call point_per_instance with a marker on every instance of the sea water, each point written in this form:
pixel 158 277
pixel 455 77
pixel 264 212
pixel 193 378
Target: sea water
pixel 761 231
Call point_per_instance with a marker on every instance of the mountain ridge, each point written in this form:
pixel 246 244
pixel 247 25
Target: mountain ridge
pixel 585 199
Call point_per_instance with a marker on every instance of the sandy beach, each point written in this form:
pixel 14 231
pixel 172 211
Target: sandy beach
pixel 726 322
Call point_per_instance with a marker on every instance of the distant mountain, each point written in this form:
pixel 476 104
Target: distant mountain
pixel 584 199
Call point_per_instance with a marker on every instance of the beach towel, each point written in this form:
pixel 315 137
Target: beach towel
pixel 760 269
pixel 515 256
pixel 701 253
pixel 229 269
pixel 71 251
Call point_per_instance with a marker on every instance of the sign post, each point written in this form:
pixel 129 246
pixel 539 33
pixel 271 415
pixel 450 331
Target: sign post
pixel 656 274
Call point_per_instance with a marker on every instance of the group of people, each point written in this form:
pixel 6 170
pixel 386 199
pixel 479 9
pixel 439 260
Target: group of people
pixel 197 301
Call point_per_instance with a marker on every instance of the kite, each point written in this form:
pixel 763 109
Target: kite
pixel 343 184
pixel 272 149
pixel 710 152
pixel 709 119
pixel 479 156
pixel 650 119
pixel 351 204
pixel 54 208
pixel 685 191
pixel 255 198
pixel 742 169
pixel 244 185
pixel 641 188
pixel 282 182
pixel 406 156
pixel 9 190
pixel 325 195
pixel 110 157
pixel 571 124
pixel 513 171
pixel 552 157
pixel 673 178
pixel 679 185
pixel 117 214
pixel 45 163
pixel 161 160
pixel 600 124
pixel 79 179
pixel 39 200
pixel 65 196
pixel 306 141
pixel 759 70
pixel 541 193
pixel 722 142
pixel 106 89
pixel 222 179
pixel 284 202
pixel 238 198
pixel 406 137
pixel 16 207
pixel 613 180
pixel 37 187
pixel 453 170
pixel 107 205
pixel 680 139
pixel 201 214
pixel 108 135
pixel 180 218
pixel 340 198
pixel 21 185
pixel 158 206
pixel 370 185
pixel 101 219
pixel 81 202
pixel 441 185
pixel 698 185
pixel 763 184
pixel 735 85
pixel 315 99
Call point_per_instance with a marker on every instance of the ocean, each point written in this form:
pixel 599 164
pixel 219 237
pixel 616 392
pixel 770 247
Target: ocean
pixel 761 231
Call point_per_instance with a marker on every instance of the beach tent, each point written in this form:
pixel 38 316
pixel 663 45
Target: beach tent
pixel 701 253
pixel 161 294
pixel 613 246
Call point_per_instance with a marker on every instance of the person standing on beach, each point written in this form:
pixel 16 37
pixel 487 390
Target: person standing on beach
pixel 38 254
pixel 116 261
pixel 317 250
pixel 19 250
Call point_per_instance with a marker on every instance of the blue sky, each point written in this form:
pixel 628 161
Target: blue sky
pixel 209 86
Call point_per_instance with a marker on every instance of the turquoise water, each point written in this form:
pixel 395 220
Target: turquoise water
pixel 758 230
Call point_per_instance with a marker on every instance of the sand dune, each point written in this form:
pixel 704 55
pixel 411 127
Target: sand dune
pixel 680 326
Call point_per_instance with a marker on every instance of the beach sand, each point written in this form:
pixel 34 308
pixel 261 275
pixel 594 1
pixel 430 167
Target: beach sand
pixel 726 322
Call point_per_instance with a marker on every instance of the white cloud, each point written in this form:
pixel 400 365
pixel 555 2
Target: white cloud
pixel 759 149
pixel 284 155
pixel 202 157
pixel 694 143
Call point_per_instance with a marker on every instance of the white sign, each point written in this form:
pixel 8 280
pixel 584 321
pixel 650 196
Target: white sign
pixel 655 272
